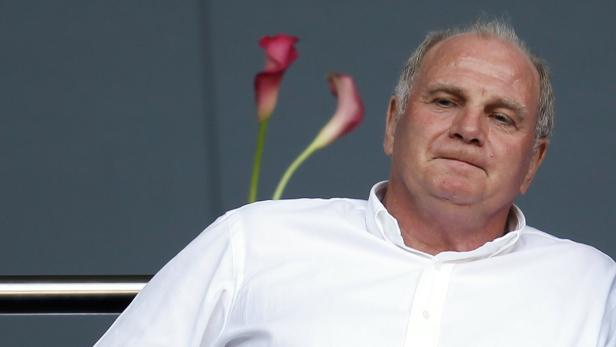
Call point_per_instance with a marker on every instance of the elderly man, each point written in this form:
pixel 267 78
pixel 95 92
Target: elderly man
pixel 437 256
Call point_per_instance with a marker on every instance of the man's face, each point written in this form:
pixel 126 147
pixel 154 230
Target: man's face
pixel 467 134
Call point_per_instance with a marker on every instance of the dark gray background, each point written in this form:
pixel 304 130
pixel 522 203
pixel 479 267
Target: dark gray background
pixel 128 126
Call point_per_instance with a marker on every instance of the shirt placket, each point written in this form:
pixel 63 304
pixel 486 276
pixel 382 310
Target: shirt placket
pixel 427 307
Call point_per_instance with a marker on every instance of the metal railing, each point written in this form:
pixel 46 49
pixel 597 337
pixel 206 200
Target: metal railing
pixel 33 295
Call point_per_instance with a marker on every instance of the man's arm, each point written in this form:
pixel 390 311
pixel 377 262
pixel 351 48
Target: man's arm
pixel 607 336
pixel 188 301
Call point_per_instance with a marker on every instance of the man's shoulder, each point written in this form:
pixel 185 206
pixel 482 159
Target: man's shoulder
pixel 280 229
pixel 566 250
pixel 276 217
pixel 272 210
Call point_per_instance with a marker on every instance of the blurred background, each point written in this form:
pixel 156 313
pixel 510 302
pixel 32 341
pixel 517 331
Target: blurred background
pixel 126 127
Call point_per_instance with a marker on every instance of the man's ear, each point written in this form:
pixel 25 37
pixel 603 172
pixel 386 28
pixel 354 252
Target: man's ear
pixel 391 120
pixel 541 148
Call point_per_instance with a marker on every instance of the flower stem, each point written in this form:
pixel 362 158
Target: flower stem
pixel 292 168
pixel 256 167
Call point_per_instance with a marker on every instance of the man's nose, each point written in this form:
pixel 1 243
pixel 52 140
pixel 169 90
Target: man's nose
pixel 468 126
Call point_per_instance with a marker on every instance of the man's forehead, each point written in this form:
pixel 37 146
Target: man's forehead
pixel 472 49
pixel 472 56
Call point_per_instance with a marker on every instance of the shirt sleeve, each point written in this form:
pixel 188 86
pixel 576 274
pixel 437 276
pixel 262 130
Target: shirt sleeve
pixel 608 330
pixel 188 301
pixel 607 336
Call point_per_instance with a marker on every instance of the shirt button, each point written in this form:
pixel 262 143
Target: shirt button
pixel 426 314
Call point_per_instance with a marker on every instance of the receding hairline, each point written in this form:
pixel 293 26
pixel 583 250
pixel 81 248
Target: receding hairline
pixel 521 50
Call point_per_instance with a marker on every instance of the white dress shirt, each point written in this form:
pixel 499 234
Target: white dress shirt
pixel 318 273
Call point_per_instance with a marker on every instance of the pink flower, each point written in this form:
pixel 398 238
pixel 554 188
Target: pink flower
pixel 280 52
pixel 349 113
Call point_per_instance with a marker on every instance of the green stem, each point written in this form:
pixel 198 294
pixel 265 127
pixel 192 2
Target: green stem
pixel 292 168
pixel 256 166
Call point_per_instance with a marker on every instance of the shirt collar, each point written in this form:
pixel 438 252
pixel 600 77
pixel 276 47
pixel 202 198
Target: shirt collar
pixel 384 226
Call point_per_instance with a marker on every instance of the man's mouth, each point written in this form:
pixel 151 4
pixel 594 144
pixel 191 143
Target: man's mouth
pixel 464 161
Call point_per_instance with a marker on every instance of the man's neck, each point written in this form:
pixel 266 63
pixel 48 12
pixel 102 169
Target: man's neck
pixel 436 227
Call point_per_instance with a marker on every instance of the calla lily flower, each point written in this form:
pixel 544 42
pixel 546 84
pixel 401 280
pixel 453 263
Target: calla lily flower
pixel 349 113
pixel 280 53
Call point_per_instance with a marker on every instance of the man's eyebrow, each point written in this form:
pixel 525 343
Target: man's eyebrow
pixel 447 88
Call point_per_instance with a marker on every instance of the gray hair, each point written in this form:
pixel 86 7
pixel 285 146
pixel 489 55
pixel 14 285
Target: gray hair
pixel 496 29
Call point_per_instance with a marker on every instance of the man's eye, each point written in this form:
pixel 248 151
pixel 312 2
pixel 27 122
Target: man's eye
pixel 444 102
pixel 502 118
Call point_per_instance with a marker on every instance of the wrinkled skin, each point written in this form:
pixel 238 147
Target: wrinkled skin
pixel 465 146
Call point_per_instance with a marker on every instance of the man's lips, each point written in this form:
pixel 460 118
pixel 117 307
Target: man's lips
pixel 474 163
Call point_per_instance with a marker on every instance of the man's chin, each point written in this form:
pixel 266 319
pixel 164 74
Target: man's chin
pixel 457 193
